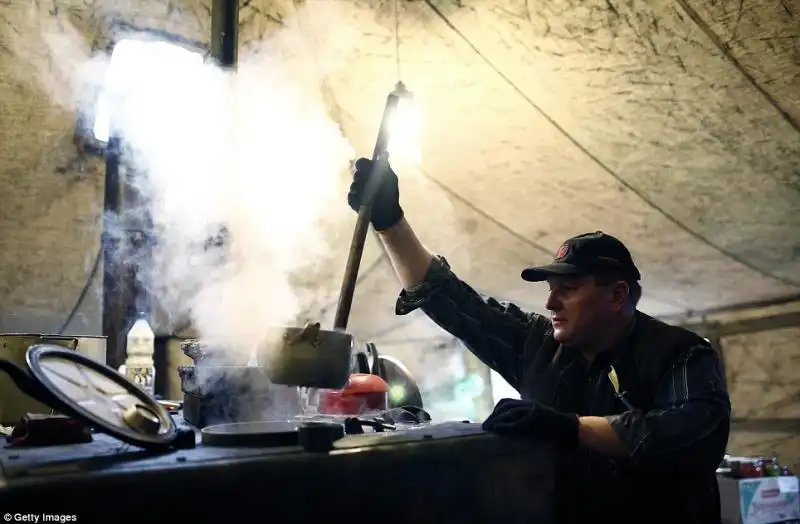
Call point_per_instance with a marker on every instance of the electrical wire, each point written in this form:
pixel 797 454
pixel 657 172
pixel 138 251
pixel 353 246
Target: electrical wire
pixel 84 291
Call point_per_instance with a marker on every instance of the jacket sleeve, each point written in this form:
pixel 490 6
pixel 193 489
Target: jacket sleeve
pixel 496 332
pixel 688 427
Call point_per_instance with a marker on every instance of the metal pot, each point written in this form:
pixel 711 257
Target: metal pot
pixel 302 357
pixel 309 357
pixel 13 403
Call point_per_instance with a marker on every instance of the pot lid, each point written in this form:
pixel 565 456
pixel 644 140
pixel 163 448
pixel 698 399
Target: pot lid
pixel 258 434
pixel 315 436
pixel 89 390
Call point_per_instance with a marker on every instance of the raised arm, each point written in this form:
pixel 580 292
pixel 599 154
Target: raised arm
pixel 495 332
pixel 410 259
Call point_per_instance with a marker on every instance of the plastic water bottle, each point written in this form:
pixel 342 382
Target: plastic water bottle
pixel 139 366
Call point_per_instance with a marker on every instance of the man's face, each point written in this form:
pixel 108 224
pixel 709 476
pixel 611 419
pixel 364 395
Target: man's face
pixel 580 308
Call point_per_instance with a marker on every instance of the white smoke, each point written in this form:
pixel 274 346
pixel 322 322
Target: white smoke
pixel 254 151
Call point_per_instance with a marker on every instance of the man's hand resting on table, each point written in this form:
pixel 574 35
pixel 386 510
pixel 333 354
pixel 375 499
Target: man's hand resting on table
pixel 531 419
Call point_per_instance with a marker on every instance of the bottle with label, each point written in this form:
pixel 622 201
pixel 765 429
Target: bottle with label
pixel 139 367
pixel 758 468
pixel 772 467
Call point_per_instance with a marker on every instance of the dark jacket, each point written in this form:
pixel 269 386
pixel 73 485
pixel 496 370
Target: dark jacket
pixel 676 422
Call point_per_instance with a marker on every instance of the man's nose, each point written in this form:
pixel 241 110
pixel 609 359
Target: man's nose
pixel 553 304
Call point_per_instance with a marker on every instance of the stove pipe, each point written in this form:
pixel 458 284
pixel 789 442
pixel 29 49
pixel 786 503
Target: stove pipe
pixel 225 32
pixel 127 227
pixel 127 253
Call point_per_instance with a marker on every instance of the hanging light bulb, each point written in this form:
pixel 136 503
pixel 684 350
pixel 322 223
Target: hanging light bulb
pixel 404 129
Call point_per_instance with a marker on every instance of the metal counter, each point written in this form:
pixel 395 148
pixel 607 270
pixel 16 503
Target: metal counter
pixel 449 472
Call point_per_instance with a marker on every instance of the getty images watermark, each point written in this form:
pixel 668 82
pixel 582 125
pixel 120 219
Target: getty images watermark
pixel 39 517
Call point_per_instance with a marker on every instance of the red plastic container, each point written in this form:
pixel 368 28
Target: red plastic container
pixel 364 393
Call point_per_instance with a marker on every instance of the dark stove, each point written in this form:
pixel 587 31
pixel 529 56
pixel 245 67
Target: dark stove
pixel 437 473
pixel 227 394
pixel 222 389
pixel 281 471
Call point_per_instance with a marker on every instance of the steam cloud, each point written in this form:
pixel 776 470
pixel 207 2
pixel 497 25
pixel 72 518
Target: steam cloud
pixel 211 167
pixel 254 152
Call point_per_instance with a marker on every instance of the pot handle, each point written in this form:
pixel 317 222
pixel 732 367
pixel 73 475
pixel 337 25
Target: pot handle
pixel 372 349
pixel 26 384
pixel 362 363
pixel 68 342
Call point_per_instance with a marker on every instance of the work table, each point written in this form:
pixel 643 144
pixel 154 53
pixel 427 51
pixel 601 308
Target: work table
pixel 444 472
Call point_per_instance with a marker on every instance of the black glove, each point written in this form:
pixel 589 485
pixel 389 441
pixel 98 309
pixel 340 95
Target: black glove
pixel 386 210
pixel 531 419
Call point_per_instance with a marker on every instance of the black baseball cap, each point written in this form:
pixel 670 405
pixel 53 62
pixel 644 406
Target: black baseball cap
pixel 587 254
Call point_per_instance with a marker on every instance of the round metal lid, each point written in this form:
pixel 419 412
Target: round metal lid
pixel 256 434
pixel 101 396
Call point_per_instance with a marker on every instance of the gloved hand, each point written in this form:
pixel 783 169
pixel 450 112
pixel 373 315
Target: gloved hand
pixel 531 419
pixel 386 210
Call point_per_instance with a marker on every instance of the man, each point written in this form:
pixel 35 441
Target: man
pixel 637 408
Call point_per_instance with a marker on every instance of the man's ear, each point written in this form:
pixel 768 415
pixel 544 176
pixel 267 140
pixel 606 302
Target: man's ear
pixel 620 292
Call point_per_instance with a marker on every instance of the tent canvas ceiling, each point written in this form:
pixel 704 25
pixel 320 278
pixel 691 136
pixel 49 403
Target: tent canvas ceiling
pixel 670 124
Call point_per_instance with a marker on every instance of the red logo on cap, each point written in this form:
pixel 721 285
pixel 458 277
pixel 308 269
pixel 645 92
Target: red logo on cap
pixel 562 251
